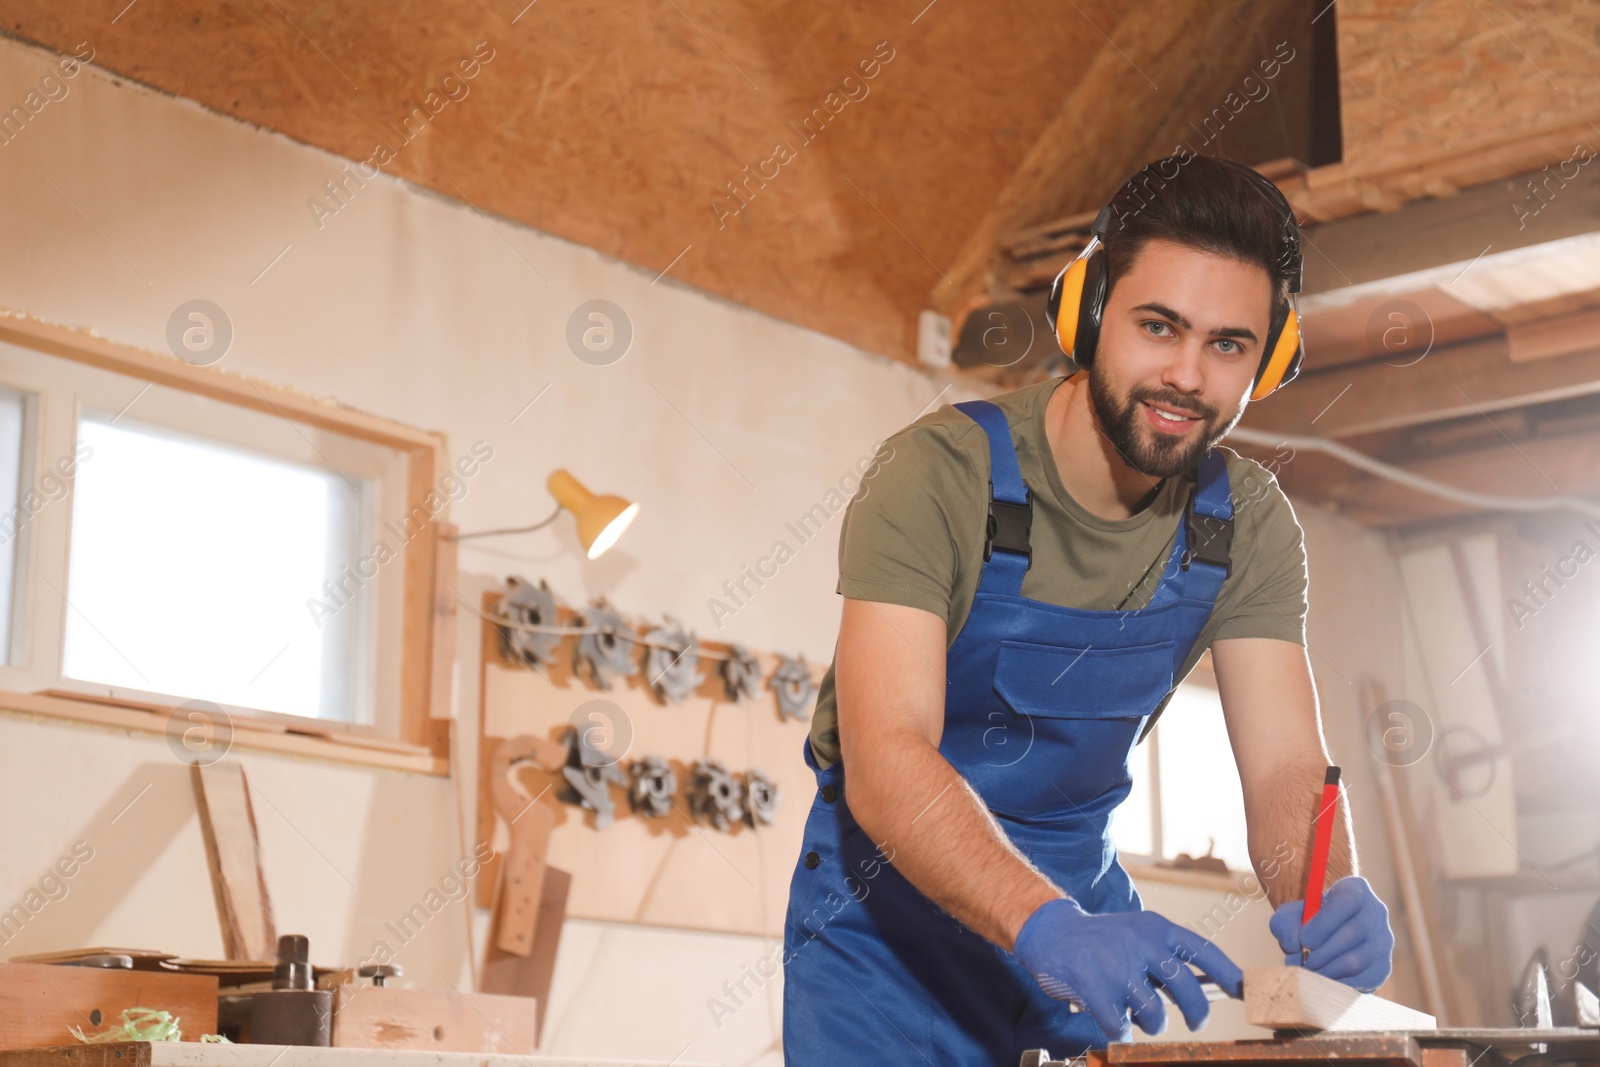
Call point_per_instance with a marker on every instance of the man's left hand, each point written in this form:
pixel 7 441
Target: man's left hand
pixel 1349 936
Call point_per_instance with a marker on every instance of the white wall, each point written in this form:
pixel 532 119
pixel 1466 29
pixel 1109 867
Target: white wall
pixel 121 203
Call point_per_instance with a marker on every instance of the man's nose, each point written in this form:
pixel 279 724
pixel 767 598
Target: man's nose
pixel 1183 372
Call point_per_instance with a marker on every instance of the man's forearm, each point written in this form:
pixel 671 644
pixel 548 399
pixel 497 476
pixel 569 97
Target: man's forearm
pixel 1281 834
pixel 939 834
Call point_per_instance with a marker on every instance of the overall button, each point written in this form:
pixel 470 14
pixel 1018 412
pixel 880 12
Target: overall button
pixel 812 860
pixel 830 793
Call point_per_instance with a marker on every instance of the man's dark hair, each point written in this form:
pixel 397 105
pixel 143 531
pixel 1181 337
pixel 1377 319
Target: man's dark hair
pixel 1207 204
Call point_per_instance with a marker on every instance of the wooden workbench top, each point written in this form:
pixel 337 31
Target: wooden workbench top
pixel 196 1054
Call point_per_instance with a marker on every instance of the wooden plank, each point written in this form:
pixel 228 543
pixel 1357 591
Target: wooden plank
pixel 110 1054
pixel 1370 1050
pixel 1429 233
pixel 1452 381
pixel 445 570
pixel 233 852
pixel 190 1054
pixel 1294 998
pixel 539 972
pixel 40 1003
pixel 1558 336
pixel 417 623
pixel 425 1020
pixel 1416 893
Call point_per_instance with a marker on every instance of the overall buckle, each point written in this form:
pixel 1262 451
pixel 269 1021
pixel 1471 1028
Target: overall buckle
pixel 1210 539
pixel 1009 526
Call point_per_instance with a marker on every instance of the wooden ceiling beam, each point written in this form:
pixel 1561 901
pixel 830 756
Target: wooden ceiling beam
pixel 1440 237
pixel 1472 378
pixel 1111 123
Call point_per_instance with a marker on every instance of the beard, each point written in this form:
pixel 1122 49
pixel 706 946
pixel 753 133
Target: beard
pixel 1147 451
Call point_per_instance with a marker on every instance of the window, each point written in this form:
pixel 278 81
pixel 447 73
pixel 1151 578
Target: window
pixel 192 566
pixel 170 533
pixel 1186 792
pixel 14 409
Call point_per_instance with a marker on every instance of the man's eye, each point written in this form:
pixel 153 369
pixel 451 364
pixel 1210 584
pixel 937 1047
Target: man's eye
pixel 1159 325
pixel 1232 349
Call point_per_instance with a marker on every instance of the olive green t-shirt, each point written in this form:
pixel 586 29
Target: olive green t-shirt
pixel 913 535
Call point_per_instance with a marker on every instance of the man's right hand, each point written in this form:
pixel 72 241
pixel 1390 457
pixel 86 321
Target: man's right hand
pixel 1111 964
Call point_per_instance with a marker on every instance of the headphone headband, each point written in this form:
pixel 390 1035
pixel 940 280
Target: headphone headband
pixel 1077 298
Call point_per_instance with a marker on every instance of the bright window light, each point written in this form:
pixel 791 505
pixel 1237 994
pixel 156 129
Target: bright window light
pixel 13 517
pixel 1200 794
pixel 194 567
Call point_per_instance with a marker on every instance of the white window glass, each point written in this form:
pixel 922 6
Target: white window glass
pixel 1200 794
pixel 199 570
pixel 13 517
pixel 1132 825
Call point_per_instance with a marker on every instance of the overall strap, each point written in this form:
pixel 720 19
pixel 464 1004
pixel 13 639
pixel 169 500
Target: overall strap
pixel 1207 530
pixel 1006 553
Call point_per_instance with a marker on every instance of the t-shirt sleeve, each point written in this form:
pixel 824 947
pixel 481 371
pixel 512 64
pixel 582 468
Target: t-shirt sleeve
pixel 1269 594
pixel 896 544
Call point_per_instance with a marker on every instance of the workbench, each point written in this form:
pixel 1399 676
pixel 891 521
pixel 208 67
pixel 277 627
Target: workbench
pixel 197 1054
pixel 1415 1048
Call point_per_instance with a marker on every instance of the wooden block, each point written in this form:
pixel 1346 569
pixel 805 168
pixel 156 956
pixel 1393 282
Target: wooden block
pixel 40 1003
pixel 1293 998
pixel 233 851
pixel 430 1021
pixel 531 975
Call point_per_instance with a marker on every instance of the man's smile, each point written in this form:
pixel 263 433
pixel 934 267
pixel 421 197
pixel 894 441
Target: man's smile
pixel 1168 420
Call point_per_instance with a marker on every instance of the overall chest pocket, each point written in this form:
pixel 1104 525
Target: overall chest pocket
pixel 1061 723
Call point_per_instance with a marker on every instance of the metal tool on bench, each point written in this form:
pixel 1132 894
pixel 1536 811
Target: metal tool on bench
pixel 293 1011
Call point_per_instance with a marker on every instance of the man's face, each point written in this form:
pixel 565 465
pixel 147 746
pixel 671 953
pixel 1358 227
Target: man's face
pixel 1180 341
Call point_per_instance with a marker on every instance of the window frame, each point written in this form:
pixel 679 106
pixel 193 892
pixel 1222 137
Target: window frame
pixel 418 734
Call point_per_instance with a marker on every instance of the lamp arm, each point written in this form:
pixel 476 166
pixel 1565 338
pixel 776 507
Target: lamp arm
pixel 512 529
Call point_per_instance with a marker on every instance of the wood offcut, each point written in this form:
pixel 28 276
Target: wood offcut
pixel 1293 998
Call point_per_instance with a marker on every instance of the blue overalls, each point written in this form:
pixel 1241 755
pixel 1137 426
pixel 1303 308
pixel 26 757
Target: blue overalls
pixel 1043 706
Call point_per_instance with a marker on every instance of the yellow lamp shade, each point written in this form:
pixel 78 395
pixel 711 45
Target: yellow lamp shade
pixel 601 519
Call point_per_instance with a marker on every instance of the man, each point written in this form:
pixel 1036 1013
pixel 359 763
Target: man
pixel 1026 581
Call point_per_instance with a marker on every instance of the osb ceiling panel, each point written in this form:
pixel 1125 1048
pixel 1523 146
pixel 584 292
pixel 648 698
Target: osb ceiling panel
pixel 1435 77
pixel 621 125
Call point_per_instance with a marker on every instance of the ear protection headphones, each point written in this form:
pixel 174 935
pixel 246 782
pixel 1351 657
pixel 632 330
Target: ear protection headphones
pixel 1078 298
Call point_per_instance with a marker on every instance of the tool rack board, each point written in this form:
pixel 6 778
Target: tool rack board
pixel 667 871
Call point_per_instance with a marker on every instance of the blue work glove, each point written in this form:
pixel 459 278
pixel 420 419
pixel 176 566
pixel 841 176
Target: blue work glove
pixel 1349 936
pixel 1111 964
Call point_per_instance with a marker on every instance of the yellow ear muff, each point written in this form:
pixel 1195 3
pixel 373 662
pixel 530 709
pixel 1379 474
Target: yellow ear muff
pixel 1066 301
pixel 1283 363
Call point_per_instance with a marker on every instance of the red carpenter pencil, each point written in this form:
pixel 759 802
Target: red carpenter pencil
pixel 1319 850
